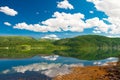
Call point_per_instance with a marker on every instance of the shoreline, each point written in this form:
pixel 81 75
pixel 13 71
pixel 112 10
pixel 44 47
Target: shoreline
pixel 91 73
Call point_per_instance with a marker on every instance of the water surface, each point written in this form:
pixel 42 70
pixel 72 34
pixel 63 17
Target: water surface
pixel 45 63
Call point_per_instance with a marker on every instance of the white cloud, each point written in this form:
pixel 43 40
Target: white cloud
pixel 7 24
pixel 58 22
pixel 65 5
pixel 8 11
pixel 74 22
pixel 112 9
pixel 65 22
pixel 31 27
pixel 52 37
pixel 91 12
pixel 99 25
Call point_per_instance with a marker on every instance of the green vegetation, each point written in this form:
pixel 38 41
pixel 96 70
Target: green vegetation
pixel 90 47
pixel 22 47
pixel 83 47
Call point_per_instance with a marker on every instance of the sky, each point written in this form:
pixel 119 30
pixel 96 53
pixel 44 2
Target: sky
pixel 59 18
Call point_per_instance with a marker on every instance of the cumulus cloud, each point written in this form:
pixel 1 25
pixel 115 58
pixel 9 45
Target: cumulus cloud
pixel 65 5
pixel 100 25
pixel 7 24
pixel 8 11
pixel 58 22
pixel 112 9
pixel 65 22
pixel 31 27
pixel 52 37
pixel 50 70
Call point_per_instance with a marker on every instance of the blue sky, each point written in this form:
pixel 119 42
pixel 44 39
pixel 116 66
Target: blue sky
pixel 47 14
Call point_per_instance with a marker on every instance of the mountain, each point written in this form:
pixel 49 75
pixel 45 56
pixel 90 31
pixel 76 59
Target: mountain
pixel 89 41
pixel 82 47
pixel 89 47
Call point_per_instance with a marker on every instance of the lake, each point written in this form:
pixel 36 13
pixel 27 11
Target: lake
pixel 44 67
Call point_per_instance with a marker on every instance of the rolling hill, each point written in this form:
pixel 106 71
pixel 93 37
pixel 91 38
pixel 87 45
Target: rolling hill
pixel 82 47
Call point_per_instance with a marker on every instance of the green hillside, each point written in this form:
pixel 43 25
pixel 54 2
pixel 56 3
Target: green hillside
pixel 17 46
pixel 90 47
pixel 82 47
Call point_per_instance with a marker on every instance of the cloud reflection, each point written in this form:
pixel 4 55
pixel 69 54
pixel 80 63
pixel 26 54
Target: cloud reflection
pixel 50 70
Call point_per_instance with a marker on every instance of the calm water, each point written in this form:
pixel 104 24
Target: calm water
pixel 46 66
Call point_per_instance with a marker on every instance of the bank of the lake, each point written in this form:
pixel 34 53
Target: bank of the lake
pixel 108 72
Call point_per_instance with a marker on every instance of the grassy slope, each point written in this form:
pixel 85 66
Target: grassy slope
pixel 20 47
pixel 23 46
pixel 90 47
pixel 83 47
